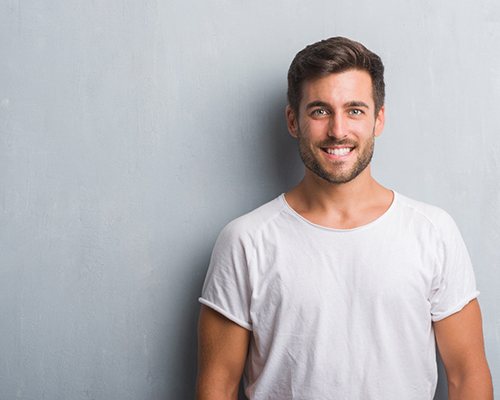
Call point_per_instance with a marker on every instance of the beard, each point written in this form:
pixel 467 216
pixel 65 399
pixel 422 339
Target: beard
pixel 338 174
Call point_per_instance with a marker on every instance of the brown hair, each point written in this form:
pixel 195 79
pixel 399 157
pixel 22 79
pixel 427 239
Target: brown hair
pixel 337 54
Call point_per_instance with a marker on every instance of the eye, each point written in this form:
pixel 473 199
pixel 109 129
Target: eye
pixel 356 111
pixel 319 112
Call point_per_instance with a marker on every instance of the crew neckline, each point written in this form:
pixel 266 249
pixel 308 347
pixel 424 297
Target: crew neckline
pixel 376 221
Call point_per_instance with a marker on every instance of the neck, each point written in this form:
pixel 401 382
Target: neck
pixel 344 205
pixel 319 193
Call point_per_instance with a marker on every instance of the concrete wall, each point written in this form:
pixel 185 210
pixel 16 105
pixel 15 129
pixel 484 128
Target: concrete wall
pixel 132 131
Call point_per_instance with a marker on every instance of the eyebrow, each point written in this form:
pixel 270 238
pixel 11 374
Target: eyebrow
pixel 357 104
pixel 317 103
pixel 349 104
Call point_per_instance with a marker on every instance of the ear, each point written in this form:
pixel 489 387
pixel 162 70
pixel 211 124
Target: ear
pixel 379 122
pixel 291 121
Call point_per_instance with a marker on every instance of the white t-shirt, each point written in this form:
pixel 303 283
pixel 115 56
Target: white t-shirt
pixel 340 314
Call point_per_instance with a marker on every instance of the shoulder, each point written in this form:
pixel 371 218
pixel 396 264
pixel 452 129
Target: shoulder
pixel 253 222
pixel 418 212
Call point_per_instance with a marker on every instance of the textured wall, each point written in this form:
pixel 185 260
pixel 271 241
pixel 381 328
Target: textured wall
pixel 132 131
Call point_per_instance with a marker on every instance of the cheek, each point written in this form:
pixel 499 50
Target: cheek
pixel 313 128
pixel 361 124
pixel 364 127
pixel 304 126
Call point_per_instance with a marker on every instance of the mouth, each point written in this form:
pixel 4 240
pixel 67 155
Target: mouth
pixel 338 151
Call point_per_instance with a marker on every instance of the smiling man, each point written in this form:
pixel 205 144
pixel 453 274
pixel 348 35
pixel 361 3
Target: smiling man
pixel 340 288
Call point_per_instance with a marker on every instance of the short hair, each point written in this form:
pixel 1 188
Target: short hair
pixel 333 55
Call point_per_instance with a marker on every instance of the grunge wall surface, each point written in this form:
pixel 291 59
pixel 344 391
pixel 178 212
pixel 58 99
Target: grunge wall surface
pixel 131 132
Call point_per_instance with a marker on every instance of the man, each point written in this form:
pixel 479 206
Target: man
pixel 340 288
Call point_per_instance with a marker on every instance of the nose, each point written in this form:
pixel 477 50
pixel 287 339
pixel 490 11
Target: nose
pixel 337 126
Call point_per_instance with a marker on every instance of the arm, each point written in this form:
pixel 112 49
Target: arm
pixel 222 351
pixel 460 342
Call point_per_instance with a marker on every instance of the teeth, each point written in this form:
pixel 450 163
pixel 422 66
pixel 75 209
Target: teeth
pixel 339 152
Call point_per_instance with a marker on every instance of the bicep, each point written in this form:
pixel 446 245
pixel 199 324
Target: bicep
pixel 460 339
pixel 222 351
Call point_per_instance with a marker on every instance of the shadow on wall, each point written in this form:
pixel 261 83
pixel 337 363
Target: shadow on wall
pixel 442 386
pixel 284 167
pixel 183 359
pixel 241 394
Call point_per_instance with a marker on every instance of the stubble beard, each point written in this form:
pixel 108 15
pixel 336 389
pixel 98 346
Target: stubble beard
pixel 340 176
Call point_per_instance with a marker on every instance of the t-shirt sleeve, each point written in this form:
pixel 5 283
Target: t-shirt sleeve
pixel 227 287
pixel 454 284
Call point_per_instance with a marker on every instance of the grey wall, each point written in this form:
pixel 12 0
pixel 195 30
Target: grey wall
pixel 132 131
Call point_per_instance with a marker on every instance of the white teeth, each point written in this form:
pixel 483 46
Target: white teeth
pixel 339 152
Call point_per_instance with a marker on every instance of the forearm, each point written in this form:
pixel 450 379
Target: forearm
pixel 474 386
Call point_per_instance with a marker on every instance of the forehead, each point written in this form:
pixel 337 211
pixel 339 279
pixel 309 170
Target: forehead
pixel 346 86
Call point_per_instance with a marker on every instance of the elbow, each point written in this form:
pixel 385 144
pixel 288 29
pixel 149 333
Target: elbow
pixel 216 389
pixel 472 383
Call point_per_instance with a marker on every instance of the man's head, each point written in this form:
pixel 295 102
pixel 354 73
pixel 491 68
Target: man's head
pixel 336 108
pixel 337 54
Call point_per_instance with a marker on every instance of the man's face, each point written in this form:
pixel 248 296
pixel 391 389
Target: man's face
pixel 337 125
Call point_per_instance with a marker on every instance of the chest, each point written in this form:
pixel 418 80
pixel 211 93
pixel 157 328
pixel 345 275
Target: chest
pixel 342 276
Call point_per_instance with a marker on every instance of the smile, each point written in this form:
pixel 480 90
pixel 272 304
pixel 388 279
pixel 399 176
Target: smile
pixel 337 151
